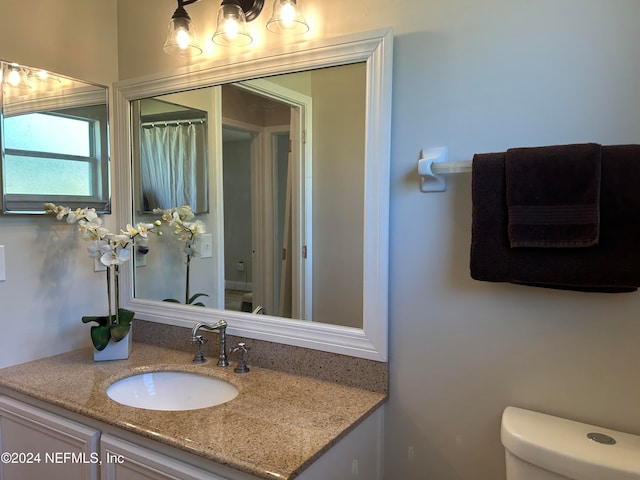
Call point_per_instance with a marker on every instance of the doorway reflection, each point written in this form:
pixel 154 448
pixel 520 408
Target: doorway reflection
pixel 257 189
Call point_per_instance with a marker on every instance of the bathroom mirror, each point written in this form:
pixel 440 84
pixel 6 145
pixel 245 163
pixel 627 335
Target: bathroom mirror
pixel 270 76
pixel 55 141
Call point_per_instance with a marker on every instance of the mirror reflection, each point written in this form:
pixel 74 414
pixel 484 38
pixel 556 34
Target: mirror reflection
pixel 275 176
pixel 173 156
pixel 55 141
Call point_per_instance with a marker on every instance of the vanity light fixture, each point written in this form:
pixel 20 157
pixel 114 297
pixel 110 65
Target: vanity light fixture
pixel 181 38
pixel 44 78
pixel 287 18
pixel 15 75
pixel 231 24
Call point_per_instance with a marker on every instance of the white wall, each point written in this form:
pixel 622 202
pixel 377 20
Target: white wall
pixel 482 76
pixel 50 283
pixel 339 101
pixel 476 76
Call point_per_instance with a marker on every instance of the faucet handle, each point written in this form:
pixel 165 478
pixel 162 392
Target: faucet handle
pixel 199 356
pixel 242 362
pixel 241 347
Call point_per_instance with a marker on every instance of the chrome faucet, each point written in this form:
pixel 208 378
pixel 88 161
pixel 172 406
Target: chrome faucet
pixel 221 328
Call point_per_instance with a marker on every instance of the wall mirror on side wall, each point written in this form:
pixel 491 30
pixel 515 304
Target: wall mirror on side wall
pixel 55 141
pixel 291 180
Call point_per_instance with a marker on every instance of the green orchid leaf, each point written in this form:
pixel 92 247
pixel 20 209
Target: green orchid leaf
pixel 191 300
pixel 125 316
pixel 196 296
pixel 118 332
pixel 100 336
pixel 101 320
pixel 121 329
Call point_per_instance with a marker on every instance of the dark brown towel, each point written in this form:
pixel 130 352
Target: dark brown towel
pixel 553 195
pixel 611 266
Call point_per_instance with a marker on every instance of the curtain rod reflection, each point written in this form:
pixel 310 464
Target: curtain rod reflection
pixel 174 123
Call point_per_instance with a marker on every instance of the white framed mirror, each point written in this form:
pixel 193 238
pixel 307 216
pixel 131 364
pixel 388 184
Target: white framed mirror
pixel 366 336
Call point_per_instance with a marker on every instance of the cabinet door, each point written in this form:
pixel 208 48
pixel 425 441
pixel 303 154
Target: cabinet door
pixel 38 444
pixel 122 460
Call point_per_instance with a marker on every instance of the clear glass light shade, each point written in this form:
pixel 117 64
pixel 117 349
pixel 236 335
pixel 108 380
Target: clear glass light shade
pixel 181 38
pixel 231 30
pixel 15 76
pixel 287 18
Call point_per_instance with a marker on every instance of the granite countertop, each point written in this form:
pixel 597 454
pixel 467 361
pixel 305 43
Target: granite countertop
pixel 291 420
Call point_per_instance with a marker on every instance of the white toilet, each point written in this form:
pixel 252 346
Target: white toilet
pixel 543 447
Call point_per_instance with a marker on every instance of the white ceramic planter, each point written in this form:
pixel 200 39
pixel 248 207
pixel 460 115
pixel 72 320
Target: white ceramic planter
pixel 114 350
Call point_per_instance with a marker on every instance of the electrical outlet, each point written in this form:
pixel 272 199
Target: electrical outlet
pixel 240 266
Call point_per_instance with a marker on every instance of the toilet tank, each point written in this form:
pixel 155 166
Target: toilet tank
pixel 543 447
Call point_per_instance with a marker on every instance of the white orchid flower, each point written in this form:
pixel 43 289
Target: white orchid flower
pixel 198 228
pixel 95 249
pixel 91 215
pixel 130 230
pixel 176 220
pixel 144 229
pixel 185 212
pixel 114 255
pixel 121 241
pixel 62 212
pixel 74 215
pixel 93 229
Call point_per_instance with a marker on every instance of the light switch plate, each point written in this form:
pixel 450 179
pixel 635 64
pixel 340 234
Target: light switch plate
pixel 206 245
pixel 3 275
pixel 98 266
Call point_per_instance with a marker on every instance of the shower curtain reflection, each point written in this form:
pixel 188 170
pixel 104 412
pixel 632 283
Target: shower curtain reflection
pixel 172 153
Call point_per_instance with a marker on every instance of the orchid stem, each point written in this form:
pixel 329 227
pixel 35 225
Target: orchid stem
pixel 186 299
pixel 116 271
pixel 109 291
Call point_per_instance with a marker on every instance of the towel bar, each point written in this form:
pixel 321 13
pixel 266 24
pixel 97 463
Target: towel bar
pixel 433 164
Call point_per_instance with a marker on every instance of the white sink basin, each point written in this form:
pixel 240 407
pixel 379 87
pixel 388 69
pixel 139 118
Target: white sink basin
pixel 171 391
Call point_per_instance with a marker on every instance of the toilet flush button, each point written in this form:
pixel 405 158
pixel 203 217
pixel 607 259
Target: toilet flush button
pixel 601 438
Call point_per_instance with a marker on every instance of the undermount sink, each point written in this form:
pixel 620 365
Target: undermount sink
pixel 171 391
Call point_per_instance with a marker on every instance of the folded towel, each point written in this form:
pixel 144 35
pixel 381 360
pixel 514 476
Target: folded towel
pixel 613 265
pixel 553 195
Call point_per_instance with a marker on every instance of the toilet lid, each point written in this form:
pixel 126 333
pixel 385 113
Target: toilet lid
pixel 567 448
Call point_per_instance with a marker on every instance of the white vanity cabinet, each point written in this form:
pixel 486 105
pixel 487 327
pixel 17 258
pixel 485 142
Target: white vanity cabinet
pixel 48 446
pixel 37 444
